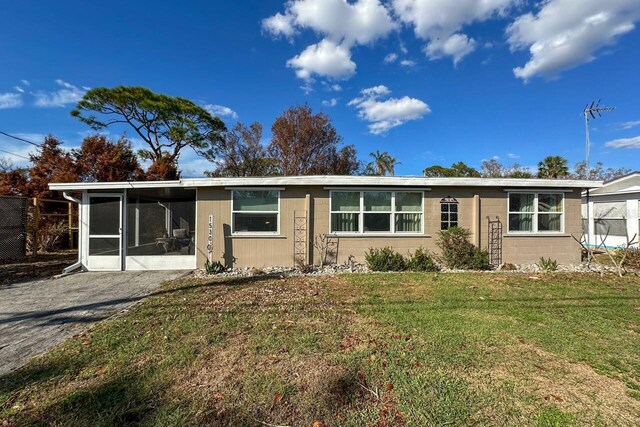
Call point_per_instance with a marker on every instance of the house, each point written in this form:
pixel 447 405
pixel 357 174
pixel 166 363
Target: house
pixel 272 221
pixel 611 212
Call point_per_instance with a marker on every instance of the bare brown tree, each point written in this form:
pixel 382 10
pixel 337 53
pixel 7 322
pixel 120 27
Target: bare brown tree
pixel 242 154
pixel 304 143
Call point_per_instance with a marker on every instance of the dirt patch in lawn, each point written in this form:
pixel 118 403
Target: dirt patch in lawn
pixel 547 379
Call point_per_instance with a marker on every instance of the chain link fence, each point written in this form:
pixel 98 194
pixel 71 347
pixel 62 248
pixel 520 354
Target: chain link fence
pixel 13 227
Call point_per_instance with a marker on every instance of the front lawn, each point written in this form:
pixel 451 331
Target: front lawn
pixel 376 349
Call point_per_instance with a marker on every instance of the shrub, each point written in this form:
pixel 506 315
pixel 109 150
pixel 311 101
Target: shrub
pixel 51 235
pixel 214 267
pixel 458 252
pixel 479 260
pixel 421 260
pixel 633 258
pixel 385 259
pixel 548 264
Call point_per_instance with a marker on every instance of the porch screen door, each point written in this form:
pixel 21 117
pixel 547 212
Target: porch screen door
pixel 105 232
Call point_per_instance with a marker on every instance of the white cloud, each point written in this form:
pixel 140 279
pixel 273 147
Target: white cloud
pixel 360 22
pixel 68 94
pixel 10 100
pixel 407 63
pixel 513 155
pixel 336 87
pixel 279 25
pixel 392 57
pixel 457 46
pixel 25 82
pixel 383 115
pixel 440 21
pixel 18 89
pixel 624 143
pixel 564 34
pixel 326 59
pixel 341 24
pixel 330 102
pixel 220 111
pixel 629 125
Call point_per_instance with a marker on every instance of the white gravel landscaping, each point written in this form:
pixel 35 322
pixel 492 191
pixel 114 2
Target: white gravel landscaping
pixel 329 270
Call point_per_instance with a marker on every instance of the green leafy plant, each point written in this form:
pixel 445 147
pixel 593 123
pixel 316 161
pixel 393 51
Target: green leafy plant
pixel 215 267
pixel 479 260
pixel 458 252
pixel 422 260
pixel 548 264
pixel 385 259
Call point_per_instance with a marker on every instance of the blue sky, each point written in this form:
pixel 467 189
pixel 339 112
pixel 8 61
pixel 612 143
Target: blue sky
pixel 430 81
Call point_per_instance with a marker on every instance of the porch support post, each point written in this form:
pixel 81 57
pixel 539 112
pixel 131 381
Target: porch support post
pixel 476 220
pixel 308 237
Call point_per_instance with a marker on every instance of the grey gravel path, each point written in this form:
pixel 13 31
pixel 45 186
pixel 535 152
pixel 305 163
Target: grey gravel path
pixel 36 315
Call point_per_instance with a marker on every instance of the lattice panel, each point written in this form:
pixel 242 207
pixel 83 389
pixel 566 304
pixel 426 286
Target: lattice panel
pixel 300 238
pixel 495 241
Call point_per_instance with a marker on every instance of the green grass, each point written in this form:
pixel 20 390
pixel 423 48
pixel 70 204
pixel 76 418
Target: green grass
pixel 380 349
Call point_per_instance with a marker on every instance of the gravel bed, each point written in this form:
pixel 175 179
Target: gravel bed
pixel 329 270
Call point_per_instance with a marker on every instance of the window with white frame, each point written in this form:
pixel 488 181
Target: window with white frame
pixel 255 211
pixel 536 212
pixel 376 211
pixel 610 218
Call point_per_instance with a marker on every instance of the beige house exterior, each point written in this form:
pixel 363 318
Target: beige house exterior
pixel 273 221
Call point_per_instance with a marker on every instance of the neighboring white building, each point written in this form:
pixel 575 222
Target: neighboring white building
pixel 613 210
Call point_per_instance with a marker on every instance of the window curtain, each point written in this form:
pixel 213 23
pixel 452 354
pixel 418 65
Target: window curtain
pixel 408 222
pixel 344 222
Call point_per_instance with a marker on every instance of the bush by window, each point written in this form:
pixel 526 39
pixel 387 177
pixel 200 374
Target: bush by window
pixel 458 252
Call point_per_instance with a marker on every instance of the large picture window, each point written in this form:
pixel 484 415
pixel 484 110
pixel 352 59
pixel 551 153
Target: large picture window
pixel 255 211
pixel 376 212
pixel 536 212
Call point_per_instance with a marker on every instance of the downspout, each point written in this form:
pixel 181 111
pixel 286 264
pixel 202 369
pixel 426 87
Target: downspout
pixel 78 263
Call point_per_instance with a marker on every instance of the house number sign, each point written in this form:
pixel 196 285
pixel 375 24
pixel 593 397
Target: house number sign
pixel 210 238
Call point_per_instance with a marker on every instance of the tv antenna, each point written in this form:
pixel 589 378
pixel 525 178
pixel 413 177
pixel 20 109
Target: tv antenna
pixel 591 111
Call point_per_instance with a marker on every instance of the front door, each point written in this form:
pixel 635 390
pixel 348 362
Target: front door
pixel 105 232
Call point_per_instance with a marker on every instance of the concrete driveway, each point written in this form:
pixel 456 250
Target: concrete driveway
pixel 36 315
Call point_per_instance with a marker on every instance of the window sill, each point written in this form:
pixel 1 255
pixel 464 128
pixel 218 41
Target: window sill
pixel 379 235
pixel 536 235
pixel 254 236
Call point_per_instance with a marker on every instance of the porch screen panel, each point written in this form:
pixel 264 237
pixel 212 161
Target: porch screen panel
pixel 104 216
pixel 161 223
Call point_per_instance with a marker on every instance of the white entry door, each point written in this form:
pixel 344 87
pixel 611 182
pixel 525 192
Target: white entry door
pixel 105 232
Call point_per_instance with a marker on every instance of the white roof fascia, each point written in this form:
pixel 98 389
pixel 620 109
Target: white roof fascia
pixel 337 181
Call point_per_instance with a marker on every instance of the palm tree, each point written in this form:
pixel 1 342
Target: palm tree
pixel 553 167
pixel 382 163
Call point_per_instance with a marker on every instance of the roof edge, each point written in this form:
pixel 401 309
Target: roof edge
pixel 333 180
